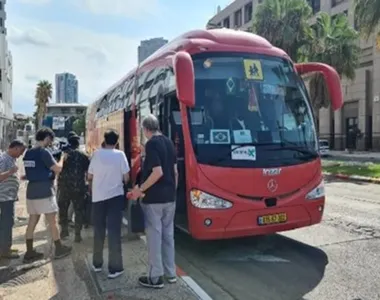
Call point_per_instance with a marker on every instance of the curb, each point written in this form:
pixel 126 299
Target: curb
pixel 190 282
pixel 354 177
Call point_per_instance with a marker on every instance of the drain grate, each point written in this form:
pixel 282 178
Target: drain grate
pixel 16 276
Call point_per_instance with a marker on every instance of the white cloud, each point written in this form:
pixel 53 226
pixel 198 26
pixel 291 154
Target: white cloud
pixel 98 60
pixel 127 8
pixel 32 36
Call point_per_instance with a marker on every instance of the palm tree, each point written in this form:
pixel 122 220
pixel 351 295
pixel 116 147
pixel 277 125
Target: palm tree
pixel 335 43
pixel 43 95
pixel 367 15
pixel 284 24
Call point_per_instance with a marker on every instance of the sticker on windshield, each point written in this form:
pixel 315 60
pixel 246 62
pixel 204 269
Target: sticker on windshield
pixel 200 138
pixel 253 70
pixel 243 153
pixel 242 136
pixel 220 136
pixel 231 86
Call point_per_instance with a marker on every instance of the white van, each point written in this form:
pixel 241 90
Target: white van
pixel 324 147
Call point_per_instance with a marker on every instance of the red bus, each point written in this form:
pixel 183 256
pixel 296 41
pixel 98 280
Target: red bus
pixel 240 116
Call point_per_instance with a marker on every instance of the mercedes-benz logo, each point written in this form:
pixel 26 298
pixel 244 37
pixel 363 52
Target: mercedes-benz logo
pixel 272 185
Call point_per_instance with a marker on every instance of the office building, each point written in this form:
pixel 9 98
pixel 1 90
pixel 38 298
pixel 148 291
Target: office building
pixel 6 80
pixel 361 97
pixel 148 47
pixel 66 88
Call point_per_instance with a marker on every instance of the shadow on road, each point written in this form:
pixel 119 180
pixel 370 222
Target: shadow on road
pixel 268 267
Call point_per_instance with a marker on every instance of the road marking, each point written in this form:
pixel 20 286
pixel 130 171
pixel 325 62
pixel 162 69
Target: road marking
pixel 246 256
pixel 196 288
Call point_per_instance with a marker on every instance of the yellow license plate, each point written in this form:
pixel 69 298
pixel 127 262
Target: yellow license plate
pixel 272 219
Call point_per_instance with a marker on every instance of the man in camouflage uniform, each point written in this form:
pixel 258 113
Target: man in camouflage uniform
pixel 72 188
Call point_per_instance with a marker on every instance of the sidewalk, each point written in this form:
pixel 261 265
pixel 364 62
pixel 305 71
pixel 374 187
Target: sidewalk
pixel 356 155
pixel 71 278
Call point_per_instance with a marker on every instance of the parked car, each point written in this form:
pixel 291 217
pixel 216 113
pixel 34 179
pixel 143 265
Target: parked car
pixel 324 147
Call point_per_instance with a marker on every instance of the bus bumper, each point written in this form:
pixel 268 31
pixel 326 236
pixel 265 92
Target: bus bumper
pixel 245 223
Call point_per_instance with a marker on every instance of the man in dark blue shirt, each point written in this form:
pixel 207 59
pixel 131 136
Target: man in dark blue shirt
pixel 41 169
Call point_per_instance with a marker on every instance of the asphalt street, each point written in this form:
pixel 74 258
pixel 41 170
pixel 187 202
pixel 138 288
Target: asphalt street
pixel 338 259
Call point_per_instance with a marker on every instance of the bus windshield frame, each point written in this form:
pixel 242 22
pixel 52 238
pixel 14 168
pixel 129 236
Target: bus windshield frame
pixel 251 111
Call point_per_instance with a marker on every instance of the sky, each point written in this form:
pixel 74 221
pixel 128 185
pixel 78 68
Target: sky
pixel 96 40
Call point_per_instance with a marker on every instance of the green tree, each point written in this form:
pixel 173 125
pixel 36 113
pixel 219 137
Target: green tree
pixel 367 15
pixel 43 95
pixel 336 43
pixel 79 125
pixel 285 24
pixel 35 119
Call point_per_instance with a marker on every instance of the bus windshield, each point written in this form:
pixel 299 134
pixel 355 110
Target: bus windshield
pixel 250 111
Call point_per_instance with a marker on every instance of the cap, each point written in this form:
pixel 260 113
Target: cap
pixel 71 134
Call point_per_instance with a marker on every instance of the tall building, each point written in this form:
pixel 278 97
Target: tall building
pixel 66 88
pixel 6 80
pixel 148 47
pixel 361 97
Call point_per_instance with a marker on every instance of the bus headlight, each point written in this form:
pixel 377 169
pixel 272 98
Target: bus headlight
pixel 203 200
pixel 317 192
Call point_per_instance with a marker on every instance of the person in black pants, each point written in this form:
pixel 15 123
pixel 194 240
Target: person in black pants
pixel 107 174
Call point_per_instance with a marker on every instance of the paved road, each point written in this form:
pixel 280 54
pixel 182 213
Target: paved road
pixel 338 259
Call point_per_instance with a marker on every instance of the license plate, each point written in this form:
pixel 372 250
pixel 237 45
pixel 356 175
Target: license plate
pixel 272 219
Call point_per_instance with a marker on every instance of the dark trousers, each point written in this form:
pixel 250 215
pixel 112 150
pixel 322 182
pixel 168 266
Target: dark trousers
pixel 108 214
pixel 7 211
pixel 65 197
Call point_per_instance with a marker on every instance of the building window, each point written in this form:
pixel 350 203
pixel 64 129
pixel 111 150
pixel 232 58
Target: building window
pixel 248 12
pixel 1 22
pixel 336 2
pixel 238 18
pixel 226 22
pixel 315 5
pixel 219 24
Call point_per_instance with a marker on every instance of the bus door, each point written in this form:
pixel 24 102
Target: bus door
pixel 169 112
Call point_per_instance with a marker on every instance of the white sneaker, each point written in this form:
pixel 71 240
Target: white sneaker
pixel 115 274
pixel 171 279
pixel 96 270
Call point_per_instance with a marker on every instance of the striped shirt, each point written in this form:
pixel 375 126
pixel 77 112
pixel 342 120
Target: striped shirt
pixel 8 187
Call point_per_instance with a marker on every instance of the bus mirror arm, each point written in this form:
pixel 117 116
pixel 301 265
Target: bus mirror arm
pixel 331 77
pixel 184 76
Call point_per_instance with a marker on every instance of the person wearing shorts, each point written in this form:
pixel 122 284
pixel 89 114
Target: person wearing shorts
pixel 41 170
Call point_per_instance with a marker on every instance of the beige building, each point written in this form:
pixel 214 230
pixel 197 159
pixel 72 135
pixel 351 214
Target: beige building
pixel 361 97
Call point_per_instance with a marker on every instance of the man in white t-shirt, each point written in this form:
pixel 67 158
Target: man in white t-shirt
pixel 107 174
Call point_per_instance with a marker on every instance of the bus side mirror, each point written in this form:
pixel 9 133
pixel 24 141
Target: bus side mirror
pixel 184 76
pixel 331 78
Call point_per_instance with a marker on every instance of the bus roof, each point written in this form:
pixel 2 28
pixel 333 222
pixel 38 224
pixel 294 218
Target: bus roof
pixel 203 38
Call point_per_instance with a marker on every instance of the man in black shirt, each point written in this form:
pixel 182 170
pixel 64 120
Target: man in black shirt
pixel 158 188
